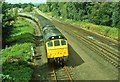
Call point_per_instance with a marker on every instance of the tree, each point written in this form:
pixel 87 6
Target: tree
pixel 116 15
pixel 55 9
pixel 63 10
pixel 101 13
pixel 28 8
pixel 6 23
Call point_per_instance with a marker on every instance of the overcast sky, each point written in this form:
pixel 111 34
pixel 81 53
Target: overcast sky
pixel 25 1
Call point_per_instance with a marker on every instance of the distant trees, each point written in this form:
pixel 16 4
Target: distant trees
pixel 101 13
pixel 45 8
pixel 28 7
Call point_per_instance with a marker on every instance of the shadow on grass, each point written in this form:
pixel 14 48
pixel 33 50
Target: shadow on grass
pixel 6 32
pixel 22 26
pixel 23 38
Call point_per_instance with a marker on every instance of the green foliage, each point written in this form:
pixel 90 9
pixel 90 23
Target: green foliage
pixel 17 41
pixel 63 10
pixel 8 19
pixel 22 37
pixel 100 29
pixel 87 14
pixel 116 15
pixel 21 33
pixel 44 8
pixel 19 71
pixel 55 9
pixel 16 57
pixel 28 8
pixel 20 50
pixel 101 13
pixel 6 77
pixel 9 15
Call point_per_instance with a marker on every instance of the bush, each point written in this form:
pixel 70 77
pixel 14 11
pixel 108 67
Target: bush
pixel 17 70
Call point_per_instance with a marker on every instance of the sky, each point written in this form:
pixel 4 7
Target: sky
pixel 25 1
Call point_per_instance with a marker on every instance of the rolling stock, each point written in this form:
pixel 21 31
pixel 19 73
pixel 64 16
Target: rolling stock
pixel 56 44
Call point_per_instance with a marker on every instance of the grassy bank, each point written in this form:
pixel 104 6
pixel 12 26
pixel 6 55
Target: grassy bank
pixel 16 57
pixel 111 32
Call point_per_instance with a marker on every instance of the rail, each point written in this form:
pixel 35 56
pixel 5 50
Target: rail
pixel 55 75
pixel 110 55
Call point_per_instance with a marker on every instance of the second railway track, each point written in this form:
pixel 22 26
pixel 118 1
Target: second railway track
pixel 107 53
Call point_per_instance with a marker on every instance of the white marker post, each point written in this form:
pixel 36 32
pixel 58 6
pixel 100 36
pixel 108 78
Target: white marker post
pixel 33 55
pixel 32 51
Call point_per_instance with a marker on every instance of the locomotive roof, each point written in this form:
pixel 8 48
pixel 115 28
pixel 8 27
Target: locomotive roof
pixel 52 33
pixel 49 30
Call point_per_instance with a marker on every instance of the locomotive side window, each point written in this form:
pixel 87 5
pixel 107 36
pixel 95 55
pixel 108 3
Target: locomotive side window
pixel 57 43
pixel 50 44
pixel 63 42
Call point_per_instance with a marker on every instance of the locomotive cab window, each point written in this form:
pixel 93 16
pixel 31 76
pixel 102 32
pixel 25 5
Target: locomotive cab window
pixel 56 43
pixel 63 42
pixel 50 44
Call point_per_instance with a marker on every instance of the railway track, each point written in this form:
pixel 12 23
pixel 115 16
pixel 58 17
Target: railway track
pixel 109 54
pixel 67 72
pixel 61 74
pixel 53 75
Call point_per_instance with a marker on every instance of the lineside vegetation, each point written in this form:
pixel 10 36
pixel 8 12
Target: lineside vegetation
pixel 17 56
pixel 100 17
pixel 17 39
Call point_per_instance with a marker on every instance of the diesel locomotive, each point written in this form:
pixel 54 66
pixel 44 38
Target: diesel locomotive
pixel 55 43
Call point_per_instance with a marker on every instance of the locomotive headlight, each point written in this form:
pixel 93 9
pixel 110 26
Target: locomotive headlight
pixel 52 37
pixel 64 49
pixel 59 36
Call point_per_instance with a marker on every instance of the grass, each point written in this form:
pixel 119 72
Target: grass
pixel 111 32
pixel 107 31
pixel 16 57
pixel 21 50
pixel 23 32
